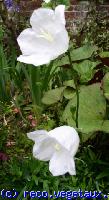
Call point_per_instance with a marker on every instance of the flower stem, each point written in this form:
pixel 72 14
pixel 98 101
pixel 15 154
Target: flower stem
pixel 75 77
pixel 36 90
pixel 47 77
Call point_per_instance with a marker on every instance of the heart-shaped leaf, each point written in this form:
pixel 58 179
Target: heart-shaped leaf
pixel 92 109
pixel 69 93
pixel 106 85
pixel 104 54
pixel 53 96
pixel 85 69
pixel 83 52
pixel 70 83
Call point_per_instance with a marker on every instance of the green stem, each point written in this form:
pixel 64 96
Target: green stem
pixel 36 90
pixel 36 85
pixel 47 77
pixel 74 73
pixel 77 107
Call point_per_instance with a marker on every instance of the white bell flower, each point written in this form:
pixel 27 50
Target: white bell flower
pixel 58 146
pixel 47 1
pixel 47 39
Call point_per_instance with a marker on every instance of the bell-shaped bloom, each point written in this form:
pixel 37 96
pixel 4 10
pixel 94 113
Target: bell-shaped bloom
pixel 47 1
pixel 46 39
pixel 57 146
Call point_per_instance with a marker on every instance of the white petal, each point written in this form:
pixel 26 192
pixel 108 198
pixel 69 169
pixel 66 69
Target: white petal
pixel 34 59
pixel 30 44
pixel 61 43
pixel 38 136
pixel 41 16
pixel 61 163
pixel 59 12
pixel 44 150
pixel 43 51
pixel 35 50
pixel 44 19
pixel 47 1
pixel 39 51
pixel 67 137
pixel 27 42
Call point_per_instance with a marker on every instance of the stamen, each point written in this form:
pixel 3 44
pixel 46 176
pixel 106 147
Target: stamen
pixel 47 35
pixel 57 147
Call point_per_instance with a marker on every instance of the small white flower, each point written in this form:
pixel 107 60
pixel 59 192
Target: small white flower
pixel 47 1
pixel 47 39
pixel 58 146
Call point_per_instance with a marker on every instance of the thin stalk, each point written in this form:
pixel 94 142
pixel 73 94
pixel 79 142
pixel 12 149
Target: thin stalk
pixel 36 85
pixel 74 73
pixel 36 89
pixel 33 78
pixel 47 77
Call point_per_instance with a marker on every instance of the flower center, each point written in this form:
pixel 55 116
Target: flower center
pixel 47 35
pixel 57 147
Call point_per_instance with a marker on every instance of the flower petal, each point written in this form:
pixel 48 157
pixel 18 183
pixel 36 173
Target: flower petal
pixel 44 150
pixel 40 17
pixel 47 1
pixel 41 14
pixel 38 136
pixel 37 48
pixel 38 51
pixel 31 44
pixel 27 42
pixel 44 19
pixel 61 43
pixel 44 145
pixel 67 137
pixel 61 163
pixel 34 59
pixel 59 12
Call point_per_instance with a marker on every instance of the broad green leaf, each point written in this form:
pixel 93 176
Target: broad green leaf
pixel 69 93
pixel 53 96
pixel 62 61
pixel 105 126
pixel 104 54
pixel 85 69
pixel 106 85
pixel 92 109
pixel 83 52
pixel 70 83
